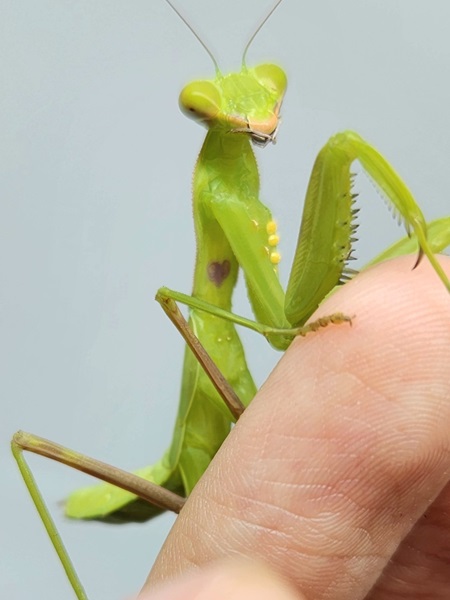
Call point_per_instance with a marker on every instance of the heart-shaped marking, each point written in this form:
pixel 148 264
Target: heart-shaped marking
pixel 218 272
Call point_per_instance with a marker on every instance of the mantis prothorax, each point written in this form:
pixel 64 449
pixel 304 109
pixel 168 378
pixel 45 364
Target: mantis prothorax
pixel 235 230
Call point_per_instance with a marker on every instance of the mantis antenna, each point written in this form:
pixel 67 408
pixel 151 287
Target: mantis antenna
pixel 210 54
pixel 189 26
pixel 258 29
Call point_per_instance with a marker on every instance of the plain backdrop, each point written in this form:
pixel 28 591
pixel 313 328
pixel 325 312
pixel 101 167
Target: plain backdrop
pixel 96 164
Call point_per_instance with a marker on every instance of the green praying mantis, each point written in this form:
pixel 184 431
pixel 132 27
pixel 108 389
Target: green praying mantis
pixel 235 230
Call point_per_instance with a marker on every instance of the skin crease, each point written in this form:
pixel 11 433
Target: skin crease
pixel 337 475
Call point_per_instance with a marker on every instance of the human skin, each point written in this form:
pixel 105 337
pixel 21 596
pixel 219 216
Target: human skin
pixel 337 475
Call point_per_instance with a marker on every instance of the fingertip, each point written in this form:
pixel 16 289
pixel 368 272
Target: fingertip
pixel 226 581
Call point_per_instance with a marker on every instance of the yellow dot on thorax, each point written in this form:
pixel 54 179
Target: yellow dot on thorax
pixel 271 227
pixel 275 257
pixel 274 239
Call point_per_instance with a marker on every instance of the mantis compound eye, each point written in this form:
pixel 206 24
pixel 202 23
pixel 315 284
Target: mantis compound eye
pixel 272 77
pixel 200 100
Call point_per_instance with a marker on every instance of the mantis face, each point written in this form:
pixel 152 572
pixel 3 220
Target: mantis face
pixel 246 102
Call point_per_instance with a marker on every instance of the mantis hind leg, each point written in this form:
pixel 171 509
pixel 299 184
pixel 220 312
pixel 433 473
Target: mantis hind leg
pixel 149 492
pixel 133 484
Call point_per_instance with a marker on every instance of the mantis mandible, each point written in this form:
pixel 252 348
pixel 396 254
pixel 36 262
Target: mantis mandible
pixel 219 269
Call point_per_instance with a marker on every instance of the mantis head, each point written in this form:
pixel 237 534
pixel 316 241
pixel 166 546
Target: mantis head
pixel 246 103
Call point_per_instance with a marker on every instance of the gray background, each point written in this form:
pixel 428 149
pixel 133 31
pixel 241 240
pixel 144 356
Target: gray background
pixel 95 214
